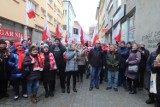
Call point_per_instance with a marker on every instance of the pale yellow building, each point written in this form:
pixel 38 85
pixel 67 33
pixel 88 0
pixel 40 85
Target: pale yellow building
pixel 14 19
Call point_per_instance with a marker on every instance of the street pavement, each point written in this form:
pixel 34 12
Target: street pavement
pixel 83 98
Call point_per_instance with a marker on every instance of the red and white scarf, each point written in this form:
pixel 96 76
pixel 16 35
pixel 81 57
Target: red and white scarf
pixel 39 64
pixel 52 61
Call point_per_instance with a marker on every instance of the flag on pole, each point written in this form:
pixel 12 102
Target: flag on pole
pixel 82 36
pixel 117 33
pixel 66 38
pixel 58 31
pixel 95 36
pixel 46 34
pixel 30 11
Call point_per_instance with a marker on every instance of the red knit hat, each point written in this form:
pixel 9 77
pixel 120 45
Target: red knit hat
pixel 16 44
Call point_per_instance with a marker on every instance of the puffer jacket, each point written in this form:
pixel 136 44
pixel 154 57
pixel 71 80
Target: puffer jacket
pixel 71 62
pixel 13 63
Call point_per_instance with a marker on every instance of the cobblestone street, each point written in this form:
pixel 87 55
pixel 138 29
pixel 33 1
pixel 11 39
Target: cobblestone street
pixel 84 98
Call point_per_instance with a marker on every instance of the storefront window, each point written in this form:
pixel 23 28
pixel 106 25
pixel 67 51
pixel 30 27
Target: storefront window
pixel 124 32
pixel 131 28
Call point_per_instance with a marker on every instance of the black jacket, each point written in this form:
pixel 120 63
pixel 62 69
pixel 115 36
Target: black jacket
pixel 143 62
pixel 58 54
pixel 96 57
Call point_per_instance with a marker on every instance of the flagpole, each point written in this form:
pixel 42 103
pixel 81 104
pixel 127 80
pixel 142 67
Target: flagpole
pixel 25 29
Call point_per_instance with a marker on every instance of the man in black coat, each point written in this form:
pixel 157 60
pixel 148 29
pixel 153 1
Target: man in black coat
pixel 3 69
pixel 142 65
pixel 58 49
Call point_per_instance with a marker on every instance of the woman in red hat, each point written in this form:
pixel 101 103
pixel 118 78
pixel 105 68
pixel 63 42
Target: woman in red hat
pixel 15 61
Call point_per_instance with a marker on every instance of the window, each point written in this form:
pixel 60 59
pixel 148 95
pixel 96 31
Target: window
pixel 49 1
pixel 131 28
pixel 49 18
pixel 43 13
pixel 34 6
pixel 64 27
pixel 65 12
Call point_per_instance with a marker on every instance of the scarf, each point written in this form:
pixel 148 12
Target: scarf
pixel 38 65
pixel 21 56
pixel 52 62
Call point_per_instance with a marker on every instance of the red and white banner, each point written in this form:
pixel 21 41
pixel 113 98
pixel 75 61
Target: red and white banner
pixel 46 34
pixel 30 11
pixel 58 31
pixel 117 33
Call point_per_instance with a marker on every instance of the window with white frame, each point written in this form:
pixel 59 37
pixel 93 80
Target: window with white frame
pixel 49 18
pixel 131 28
pixel 34 6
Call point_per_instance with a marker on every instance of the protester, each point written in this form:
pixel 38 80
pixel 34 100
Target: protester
pixel 96 60
pixel 49 71
pixel 112 60
pixel 58 49
pixel 129 45
pixel 150 61
pixel 71 65
pixel 4 55
pixel 81 61
pixel 123 55
pixel 156 69
pixel 142 65
pixel 132 69
pixel 35 66
pixel 15 61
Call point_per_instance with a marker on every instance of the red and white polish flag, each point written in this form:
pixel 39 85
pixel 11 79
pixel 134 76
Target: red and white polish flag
pixel 66 38
pixel 58 31
pixel 117 33
pixel 46 34
pixel 95 36
pixel 30 11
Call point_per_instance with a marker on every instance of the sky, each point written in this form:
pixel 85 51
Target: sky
pixel 85 12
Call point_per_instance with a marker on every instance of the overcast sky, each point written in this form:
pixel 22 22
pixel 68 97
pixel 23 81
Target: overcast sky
pixel 85 12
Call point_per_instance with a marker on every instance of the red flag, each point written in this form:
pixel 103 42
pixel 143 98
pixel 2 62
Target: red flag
pixel 30 11
pixel 82 37
pixel 95 36
pixel 66 38
pixel 117 33
pixel 46 34
pixel 58 31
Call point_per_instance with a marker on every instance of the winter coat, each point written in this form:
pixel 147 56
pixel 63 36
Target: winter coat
pixel 123 56
pixel 112 61
pixel 48 74
pixel 27 63
pixel 82 56
pixel 71 62
pixel 144 57
pixel 58 54
pixel 3 67
pixel 96 57
pixel 13 63
pixel 150 61
pixel 133 59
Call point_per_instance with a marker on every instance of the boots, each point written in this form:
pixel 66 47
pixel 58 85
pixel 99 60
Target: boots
pixel 34 99
pixel 68 90
pixel 75 90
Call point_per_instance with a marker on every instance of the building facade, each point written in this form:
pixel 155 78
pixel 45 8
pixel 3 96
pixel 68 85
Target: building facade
pixel 14 19
pixel 69 17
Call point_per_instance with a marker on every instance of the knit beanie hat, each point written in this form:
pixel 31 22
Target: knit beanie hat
pixel 2 42
pixel 16 44
pixel 45 45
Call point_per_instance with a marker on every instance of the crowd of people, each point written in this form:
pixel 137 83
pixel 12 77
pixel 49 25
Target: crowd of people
pixel 26 65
